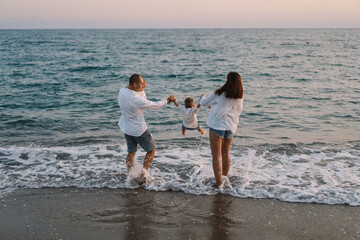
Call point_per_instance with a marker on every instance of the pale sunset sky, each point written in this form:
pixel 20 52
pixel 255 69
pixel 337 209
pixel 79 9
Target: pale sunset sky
pixel 24 14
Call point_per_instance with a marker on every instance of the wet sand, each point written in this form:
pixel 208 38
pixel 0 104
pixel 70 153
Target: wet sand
pixel 71 213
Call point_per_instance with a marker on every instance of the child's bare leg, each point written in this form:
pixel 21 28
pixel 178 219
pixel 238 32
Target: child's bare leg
pixel 183 130
pixel 201 131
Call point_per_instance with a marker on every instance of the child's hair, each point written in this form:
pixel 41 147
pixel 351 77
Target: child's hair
pixel 189 102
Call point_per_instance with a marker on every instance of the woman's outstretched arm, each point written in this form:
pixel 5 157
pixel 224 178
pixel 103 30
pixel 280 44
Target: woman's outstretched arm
pixel 208 101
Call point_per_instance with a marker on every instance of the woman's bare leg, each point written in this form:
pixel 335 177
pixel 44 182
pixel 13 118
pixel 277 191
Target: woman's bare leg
pixel 225 155
pixel 215 145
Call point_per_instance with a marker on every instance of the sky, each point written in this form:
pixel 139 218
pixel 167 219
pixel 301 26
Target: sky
pixel 34 14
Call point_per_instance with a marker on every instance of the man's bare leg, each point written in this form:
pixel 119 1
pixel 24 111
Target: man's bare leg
pixel 149 156
pixel 130 161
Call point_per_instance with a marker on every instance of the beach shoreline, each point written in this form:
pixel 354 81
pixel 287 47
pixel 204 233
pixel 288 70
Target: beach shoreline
pixel 73 213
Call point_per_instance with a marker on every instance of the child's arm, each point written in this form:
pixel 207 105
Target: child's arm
pixel 176 104
pixel 197 108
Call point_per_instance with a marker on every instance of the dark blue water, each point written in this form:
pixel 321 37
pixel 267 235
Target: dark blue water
pixel 59 90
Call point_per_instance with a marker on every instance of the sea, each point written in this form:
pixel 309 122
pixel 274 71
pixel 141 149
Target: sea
pixel 298 138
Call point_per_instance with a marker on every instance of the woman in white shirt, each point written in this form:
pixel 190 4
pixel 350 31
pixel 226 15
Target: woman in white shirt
pixel 226 105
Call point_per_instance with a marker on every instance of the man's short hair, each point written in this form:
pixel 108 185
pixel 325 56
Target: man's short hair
pixel 135 78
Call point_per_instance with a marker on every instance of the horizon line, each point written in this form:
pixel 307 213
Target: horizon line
pixel 181 28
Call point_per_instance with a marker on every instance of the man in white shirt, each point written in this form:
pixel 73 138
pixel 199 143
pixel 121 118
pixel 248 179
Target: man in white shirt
pixel 132 101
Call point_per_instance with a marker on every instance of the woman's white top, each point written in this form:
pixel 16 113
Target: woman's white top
pixel 132 105
pixel 224 113
pixel 188 115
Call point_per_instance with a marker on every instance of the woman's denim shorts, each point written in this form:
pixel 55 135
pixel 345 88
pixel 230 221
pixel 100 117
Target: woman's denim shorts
pixel 146 141
pixel 222 133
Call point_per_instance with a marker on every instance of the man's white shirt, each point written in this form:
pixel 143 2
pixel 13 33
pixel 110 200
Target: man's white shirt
pixel 132 105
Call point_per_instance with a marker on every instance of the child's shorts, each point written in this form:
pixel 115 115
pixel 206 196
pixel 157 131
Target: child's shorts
pixel 146 141
pixel 191 128
pixel 222 133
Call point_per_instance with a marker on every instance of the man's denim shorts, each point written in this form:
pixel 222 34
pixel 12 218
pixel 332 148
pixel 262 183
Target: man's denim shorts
pixel 146 141
pixel 223 133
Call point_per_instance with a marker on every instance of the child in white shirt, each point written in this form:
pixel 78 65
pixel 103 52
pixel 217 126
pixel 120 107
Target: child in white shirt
pixel 188 115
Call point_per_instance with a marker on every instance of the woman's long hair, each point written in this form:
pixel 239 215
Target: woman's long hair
pixel 233 86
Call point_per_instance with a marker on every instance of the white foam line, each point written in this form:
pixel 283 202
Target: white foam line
pixel 330 177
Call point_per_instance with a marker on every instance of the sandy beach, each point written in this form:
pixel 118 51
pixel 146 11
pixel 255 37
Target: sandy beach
pixel 71 213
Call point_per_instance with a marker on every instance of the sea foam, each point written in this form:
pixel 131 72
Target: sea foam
pixel 293 173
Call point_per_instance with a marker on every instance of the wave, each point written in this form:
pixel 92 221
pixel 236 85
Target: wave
pixel 88 68
pixel 318 172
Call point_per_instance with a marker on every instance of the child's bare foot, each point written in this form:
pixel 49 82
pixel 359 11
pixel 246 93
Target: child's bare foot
pixel 203 132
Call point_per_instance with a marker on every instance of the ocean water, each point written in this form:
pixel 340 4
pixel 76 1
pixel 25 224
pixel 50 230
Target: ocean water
pixel 297 140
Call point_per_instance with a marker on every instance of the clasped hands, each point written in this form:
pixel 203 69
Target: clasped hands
pixel 172 98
